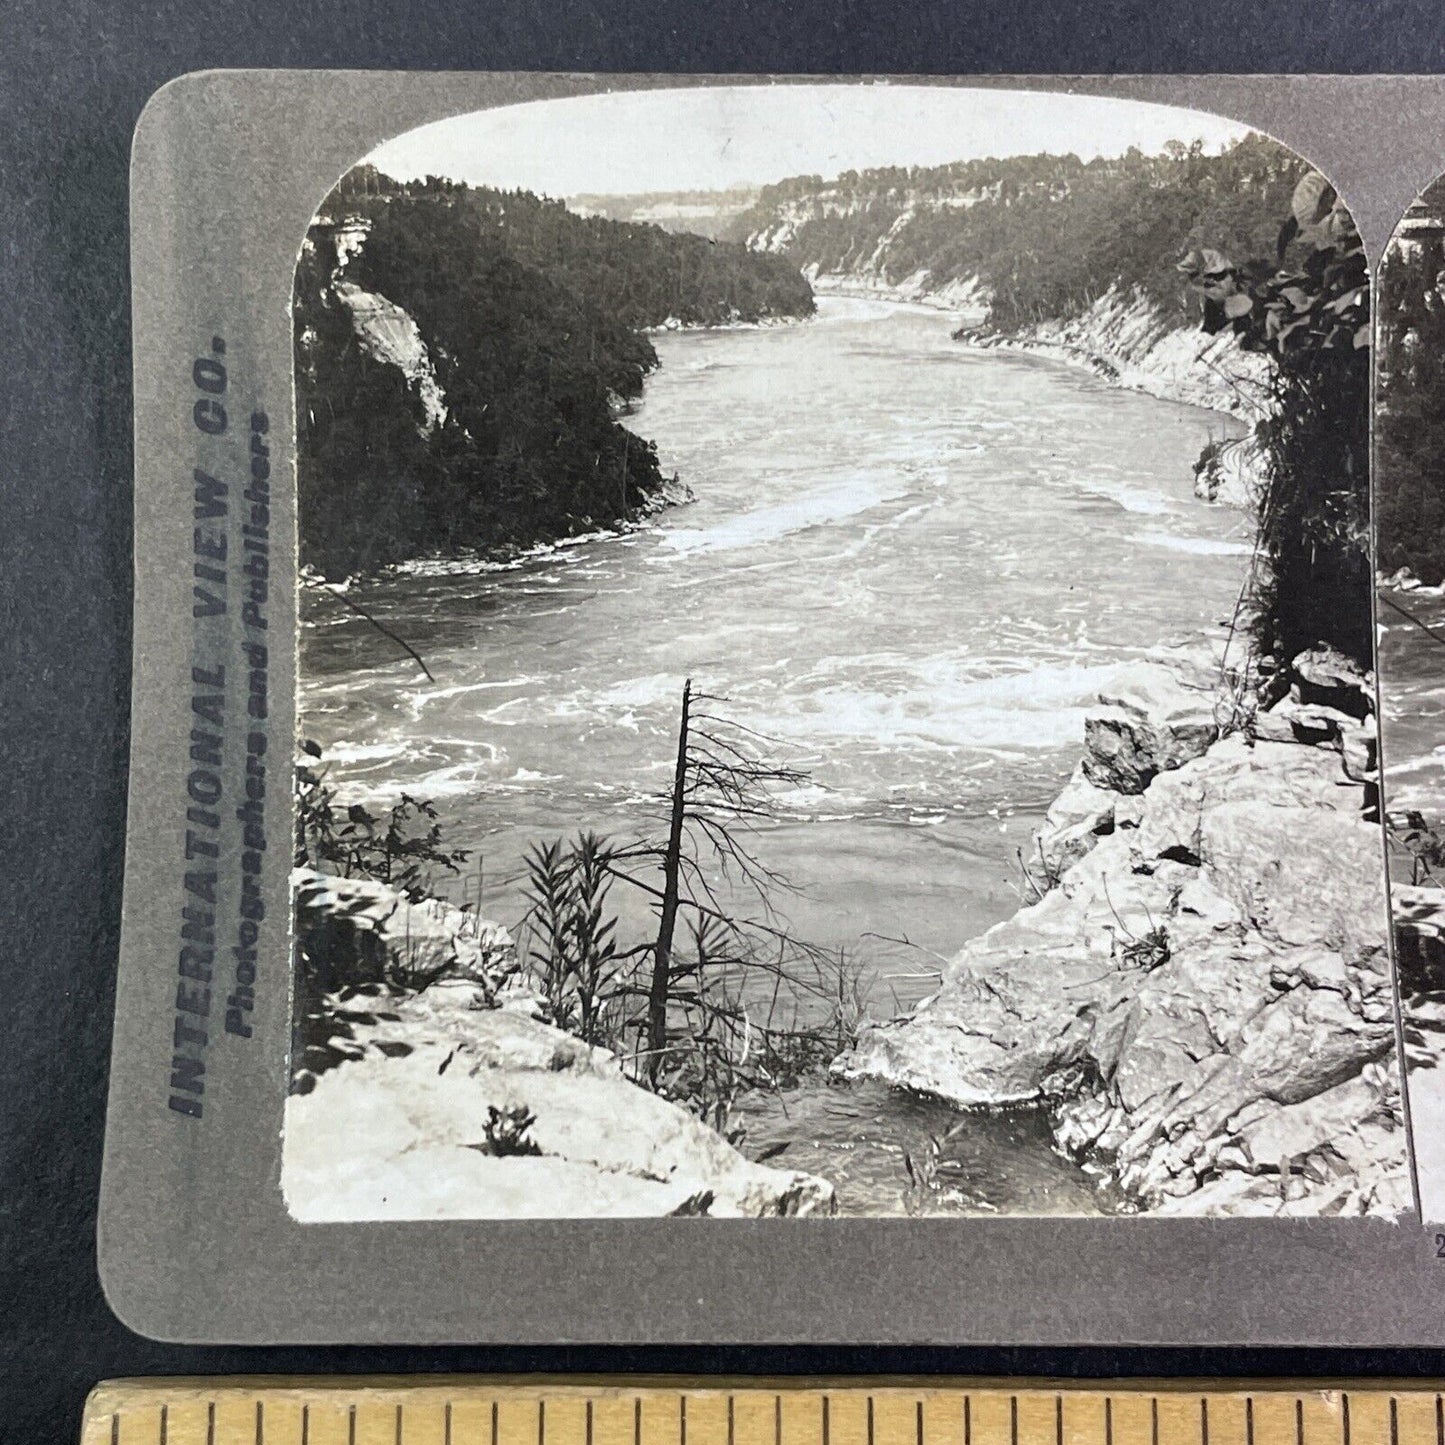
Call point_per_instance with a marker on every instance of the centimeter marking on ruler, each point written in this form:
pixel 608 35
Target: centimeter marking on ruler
pixel 463 1412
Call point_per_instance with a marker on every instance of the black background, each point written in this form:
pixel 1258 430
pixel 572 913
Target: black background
pixel 73 78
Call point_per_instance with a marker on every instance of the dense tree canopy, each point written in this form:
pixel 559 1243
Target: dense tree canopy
pixel 532 322
pixel 1046 234
pixel 1410 417
pixel 639 275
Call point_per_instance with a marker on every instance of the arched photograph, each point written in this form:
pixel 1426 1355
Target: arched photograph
pixel 837 668
pixel 1410 541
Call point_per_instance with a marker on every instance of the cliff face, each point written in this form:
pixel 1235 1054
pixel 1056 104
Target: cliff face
pixel 1076 260
pixel 1201 993
pixel 1125 338
pixel 391 336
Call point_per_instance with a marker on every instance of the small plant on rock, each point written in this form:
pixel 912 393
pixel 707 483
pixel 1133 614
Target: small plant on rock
pixel 401 846
pixel 1148 952
pixel 509 1131
pixel 1041 878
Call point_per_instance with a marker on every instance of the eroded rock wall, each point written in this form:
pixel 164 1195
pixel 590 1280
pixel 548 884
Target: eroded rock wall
pixel 1201 994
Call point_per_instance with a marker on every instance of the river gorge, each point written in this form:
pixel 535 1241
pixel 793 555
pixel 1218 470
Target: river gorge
pixel 910 564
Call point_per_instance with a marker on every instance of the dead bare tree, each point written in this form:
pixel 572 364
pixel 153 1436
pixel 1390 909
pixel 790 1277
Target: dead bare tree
pixel 671 873
pixel 720 794
pixel 684 1009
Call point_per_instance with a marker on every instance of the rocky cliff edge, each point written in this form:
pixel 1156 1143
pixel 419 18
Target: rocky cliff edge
pixel 425 1088
pixel 1200 993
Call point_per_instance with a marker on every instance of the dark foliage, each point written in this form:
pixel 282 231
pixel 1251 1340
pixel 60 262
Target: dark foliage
pixel 635 275
pixel 363 461
pixel 531 320
pixel 1312 318
pixel 1046 234
pixel 508 1131
pixel 400 846
pixel 1410 416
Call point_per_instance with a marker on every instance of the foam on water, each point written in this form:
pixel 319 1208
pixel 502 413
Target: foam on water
pixel 343 754
pixel 1142 500
pixel 858 494
pixel 1194 546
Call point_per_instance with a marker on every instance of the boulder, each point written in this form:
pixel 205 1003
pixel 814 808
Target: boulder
pixel 457 1112
pixel 1197 993
pixel 1302 882
pixel 1325 675
pixel 1360 750
pixel 1355 739
pixel 355 931
pixel 1082 814
pixel 1293 1131
pixel 1149 721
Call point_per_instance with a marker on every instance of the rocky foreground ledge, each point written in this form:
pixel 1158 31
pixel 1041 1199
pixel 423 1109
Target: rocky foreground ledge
pixel 1201 994
pixel 426 1088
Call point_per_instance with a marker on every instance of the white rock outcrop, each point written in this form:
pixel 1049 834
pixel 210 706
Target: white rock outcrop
pixel 1149 720
pixel 401 1129
pixel 389 334
pixel 370 933
pixel 1202 994
pixel 424 1086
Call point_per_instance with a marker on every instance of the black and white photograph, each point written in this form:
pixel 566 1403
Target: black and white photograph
pixel 837 667
pixel 1410 540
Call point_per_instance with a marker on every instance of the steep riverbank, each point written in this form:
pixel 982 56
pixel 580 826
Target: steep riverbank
pixel 1124 339
pixel 1200 996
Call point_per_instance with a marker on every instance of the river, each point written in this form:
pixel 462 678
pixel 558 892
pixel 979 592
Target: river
pixel 1412 688
pixel 912 565
pixel 1412 697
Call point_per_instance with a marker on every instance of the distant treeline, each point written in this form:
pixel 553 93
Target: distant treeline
pixel 702 212
pixel 1046 234
pixel 1410 416
pixel 532 319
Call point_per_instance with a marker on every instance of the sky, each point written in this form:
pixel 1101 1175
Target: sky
pixel 712 137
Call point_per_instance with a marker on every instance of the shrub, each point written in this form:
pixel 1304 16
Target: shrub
pixel 508 1131
pixel 573 950
pixel 1313 578
pixel 400 846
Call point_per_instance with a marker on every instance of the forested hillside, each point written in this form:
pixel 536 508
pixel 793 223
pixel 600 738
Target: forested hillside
pixel 530 319
pixel 1410 419
pixel 1045 235
pixel 639 274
